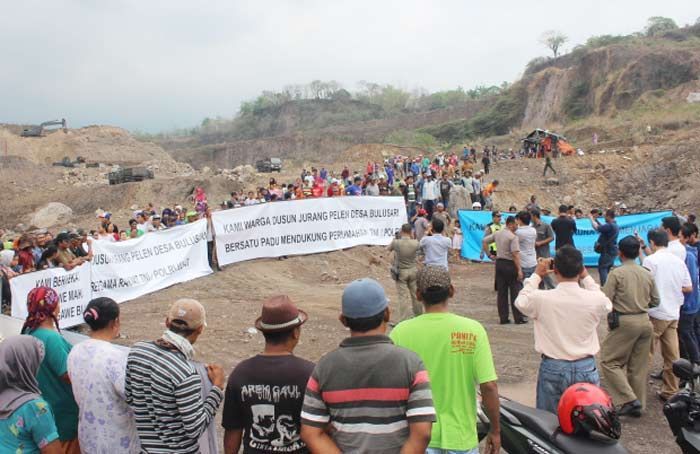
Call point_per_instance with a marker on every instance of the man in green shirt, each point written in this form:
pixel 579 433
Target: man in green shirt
pixel 457 354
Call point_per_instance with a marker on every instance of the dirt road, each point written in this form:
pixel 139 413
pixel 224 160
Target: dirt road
pixel 233 298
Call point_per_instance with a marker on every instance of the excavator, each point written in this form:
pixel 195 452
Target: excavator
pixel 38 131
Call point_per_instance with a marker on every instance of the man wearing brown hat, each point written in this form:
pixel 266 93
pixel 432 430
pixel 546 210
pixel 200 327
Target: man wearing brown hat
pixel 163 388
pixel 265 393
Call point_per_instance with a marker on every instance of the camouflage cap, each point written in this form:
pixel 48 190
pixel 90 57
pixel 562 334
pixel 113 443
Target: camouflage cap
pixel 433 276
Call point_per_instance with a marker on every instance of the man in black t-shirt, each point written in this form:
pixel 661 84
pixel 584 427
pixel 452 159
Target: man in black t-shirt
pixel 564 228
pixel 265 393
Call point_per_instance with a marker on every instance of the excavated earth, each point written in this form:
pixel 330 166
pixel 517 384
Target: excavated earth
pixel 649 176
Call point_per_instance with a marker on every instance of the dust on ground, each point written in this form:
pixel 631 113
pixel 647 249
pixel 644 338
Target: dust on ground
pixel 233 299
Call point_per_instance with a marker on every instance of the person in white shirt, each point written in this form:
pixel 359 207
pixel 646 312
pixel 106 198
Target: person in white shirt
pixel 155 225
pixel 430 193
pixel 251 200
pixel 672 227
pixel 142 221
pixel 435 246
pixel 672 280
pixel 527 237
pixel 566 324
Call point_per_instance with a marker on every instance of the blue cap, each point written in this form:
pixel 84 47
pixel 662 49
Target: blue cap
pixel 364 298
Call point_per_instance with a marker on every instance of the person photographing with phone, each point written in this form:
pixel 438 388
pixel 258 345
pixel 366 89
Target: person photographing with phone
pixel 566 321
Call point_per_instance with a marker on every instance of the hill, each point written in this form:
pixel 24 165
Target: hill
pixel 616 85
pixel 96 143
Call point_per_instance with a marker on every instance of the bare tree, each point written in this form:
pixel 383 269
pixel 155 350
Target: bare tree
pixel 553 40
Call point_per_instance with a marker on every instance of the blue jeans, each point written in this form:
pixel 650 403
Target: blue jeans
pixel 605 264
pixel 450 451
pixel 527 272
pixel 556 375
pixel 410 209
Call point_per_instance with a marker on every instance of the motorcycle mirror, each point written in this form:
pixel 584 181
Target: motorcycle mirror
pixel 683 369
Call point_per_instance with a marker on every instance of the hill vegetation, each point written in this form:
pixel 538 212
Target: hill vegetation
pixel 605 77
pixel 319 105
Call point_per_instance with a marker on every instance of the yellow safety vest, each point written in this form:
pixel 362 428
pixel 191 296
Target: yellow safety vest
pixel 494 228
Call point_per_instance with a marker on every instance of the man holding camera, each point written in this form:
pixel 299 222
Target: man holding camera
pixel 566 322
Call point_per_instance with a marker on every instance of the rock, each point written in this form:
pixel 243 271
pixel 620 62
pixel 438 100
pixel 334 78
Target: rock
pixel 693 97
pixel 567 199
pixel 52 214
pixel 552 181
pixel 459 200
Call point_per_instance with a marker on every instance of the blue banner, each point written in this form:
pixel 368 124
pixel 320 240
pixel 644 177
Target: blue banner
pixel 473 224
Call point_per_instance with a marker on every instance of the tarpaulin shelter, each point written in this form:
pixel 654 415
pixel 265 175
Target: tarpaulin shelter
pixel 550 141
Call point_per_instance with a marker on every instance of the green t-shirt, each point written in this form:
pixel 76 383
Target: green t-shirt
pixel 57 393
pixel 457 354
pixel 29 429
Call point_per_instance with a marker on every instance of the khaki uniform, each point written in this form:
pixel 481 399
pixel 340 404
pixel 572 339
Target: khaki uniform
pixel 406 250
pixel 625 350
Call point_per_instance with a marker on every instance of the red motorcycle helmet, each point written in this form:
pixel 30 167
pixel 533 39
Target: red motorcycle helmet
pixel 586 408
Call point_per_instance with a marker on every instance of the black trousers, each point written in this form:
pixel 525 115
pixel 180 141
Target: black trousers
pixel 508 288
pixel 210 253
pixel 429 206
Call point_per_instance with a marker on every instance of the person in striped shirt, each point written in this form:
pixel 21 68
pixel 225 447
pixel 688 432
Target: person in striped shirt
pixel 164 389
pixel 370 395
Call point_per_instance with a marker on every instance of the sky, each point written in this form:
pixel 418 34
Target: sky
pixel 154 65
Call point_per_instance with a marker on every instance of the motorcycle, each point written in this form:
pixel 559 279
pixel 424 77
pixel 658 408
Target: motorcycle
pixel 527 430
pixel 682 410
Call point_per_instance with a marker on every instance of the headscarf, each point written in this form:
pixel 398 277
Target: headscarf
pixel 6 257
pixel 20 358
pixel 41 304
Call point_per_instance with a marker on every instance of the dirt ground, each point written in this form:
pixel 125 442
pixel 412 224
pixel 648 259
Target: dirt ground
pixel 233 299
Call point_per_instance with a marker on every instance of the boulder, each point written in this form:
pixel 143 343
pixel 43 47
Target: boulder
pixel 52 214
pixel 552 181
pixel 459 200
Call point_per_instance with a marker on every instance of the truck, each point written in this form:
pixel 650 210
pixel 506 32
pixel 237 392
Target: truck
pixel 129 174
pixel 269 165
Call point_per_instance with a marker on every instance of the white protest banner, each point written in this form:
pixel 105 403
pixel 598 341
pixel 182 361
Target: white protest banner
pixel 306 226
pixel 73 288
pixel 129 269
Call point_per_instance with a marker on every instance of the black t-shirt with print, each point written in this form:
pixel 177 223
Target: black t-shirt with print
pixel 264 397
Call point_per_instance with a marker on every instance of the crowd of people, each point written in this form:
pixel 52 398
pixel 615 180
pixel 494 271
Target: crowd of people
pixel 406 387
pixel 650 301
pixel 97 397
pixel 401 386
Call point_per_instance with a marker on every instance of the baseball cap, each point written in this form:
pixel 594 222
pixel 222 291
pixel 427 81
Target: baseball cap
pixel 433 277
pixel 476 205
pixel 187 313
pixel 363 298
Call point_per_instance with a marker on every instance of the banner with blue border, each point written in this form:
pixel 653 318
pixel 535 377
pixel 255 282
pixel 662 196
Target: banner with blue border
pixel 473 224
